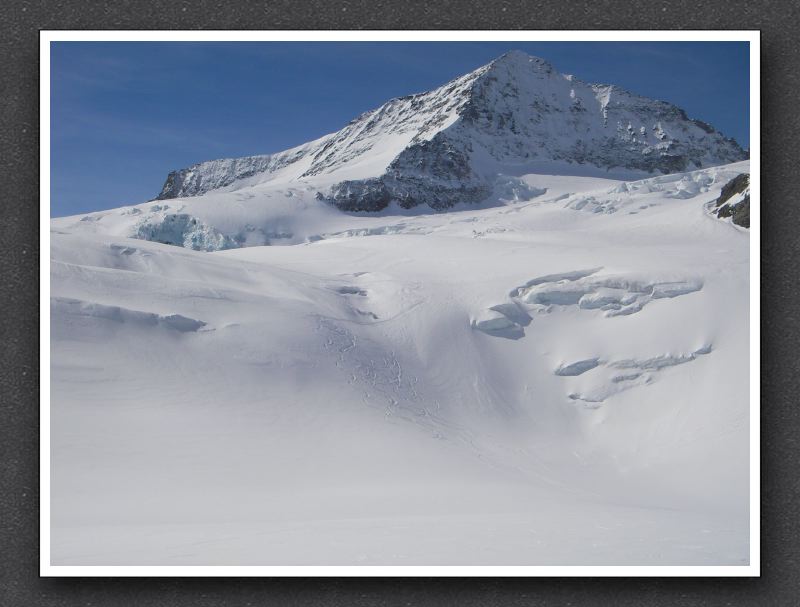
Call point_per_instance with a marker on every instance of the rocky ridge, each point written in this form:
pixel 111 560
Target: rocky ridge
pixel 449 145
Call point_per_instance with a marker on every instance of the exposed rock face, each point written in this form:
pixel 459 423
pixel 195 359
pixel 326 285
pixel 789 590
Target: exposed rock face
pixel 734 201
pixel 369 195
pixel 432 172
pixel 449 145
pixel 204 177
pixel 521 108
pixel 211 175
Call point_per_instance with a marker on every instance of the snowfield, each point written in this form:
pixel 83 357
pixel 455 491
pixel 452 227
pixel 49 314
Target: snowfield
pixel 555 376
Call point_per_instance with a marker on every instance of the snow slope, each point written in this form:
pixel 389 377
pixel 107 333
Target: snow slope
pixel 559 377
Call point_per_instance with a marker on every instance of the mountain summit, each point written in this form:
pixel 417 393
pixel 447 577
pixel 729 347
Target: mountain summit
pixel 514 129
pixel 513 116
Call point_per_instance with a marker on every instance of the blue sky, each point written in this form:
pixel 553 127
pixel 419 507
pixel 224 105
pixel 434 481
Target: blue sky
pixel 124 114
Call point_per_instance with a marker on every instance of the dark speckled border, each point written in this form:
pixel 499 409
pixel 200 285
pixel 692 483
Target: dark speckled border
pixel 20 585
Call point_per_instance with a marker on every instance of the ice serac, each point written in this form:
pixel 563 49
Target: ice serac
pixel 513 116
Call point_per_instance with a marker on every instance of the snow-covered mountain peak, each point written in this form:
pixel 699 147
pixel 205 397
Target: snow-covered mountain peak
pixel 516 59
pixel 363 148
pixel 510 116
pixel 469 141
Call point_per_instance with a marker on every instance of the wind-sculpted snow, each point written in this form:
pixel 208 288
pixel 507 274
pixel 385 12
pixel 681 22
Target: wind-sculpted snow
pixel 122 315
pixel 601 386
pixel 496 323
pixel 577 368
pixel 616 296
pixel 588 290
pixel 612 295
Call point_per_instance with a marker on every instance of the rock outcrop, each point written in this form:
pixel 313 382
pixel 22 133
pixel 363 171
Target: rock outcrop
pixel 734 201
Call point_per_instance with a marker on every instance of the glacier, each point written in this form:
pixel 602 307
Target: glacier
pixel 461 355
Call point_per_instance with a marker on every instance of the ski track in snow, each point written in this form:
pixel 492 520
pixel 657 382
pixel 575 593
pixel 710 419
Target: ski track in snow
pixel 380 377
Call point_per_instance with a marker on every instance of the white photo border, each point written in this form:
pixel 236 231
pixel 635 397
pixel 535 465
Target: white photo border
pixel 752 569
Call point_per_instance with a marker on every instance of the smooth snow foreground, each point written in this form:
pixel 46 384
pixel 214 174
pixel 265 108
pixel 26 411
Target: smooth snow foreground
pixel 555 380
